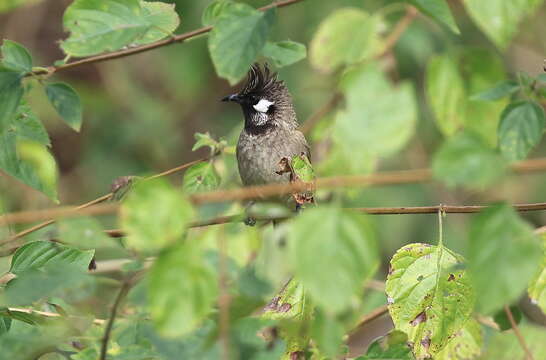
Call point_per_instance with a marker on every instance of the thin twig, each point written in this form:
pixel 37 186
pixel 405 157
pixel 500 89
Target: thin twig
pixel 117 302
pixel 136 50
pixel 528 354
pixel 182 167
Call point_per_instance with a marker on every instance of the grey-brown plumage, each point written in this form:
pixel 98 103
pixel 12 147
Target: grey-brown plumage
pixel 270 130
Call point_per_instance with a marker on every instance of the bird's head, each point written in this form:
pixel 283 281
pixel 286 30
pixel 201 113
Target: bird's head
pixel 265 101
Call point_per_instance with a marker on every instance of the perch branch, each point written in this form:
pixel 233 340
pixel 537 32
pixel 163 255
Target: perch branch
pixel 382 178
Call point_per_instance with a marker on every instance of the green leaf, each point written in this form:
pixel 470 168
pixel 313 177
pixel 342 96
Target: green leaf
pixel 347 36
pixel 537 287
pixel 84 232
pixel 182 289
pixel 500 90
pixel 393 346
pixel 327 332
pixel 520 129
pixel 98 26
pixel 29 163
pixel 466 344
pixel 201 177
pixel 480 68
pixel 430 296
pixel 163 19
pixel 237 38
pixel 541 78
pixel 439 11
pixel 284 53
pixel 503 255
pixel 342 241
pixel 5 324
pixel 466 160
pixel 39 254
pixel 500 19
pixel 370 117
pixel 29 318
pixel 501 318
pixel 446 93
pixel 27 125
pixel 15 57
pixel 213 11
pixel 67 103
pixel 204 139
pixel 11 93
pixel 33 284
pixel 154 214
pixel 303 170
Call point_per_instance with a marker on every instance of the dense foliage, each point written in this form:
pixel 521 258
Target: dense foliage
pixel 450 85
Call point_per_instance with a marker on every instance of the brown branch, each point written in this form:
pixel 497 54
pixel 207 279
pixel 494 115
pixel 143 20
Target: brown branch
pixel 117 302
pixel 384 178
pixel 528 354
pixel 136 50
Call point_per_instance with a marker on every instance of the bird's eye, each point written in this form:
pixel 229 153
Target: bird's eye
pixel 263 105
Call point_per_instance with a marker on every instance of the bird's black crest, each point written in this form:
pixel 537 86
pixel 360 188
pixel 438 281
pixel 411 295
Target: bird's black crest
pixel 261 80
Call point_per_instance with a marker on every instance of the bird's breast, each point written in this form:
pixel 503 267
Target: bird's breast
pixel 258 156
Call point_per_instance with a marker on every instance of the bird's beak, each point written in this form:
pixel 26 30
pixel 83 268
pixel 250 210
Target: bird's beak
pixel 234 97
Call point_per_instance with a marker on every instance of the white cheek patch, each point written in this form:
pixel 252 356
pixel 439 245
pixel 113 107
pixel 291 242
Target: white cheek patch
pixel 263 105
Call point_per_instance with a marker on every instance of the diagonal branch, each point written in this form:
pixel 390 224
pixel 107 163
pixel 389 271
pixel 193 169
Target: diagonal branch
pixel 137 50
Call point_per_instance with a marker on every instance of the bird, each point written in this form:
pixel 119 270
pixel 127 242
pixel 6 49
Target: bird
pixel 270 132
